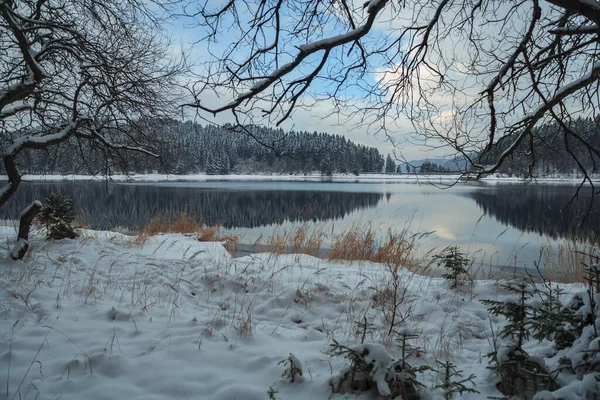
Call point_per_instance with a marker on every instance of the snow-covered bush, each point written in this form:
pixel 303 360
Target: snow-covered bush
pixel 553 320
pixel 520 374
pixel 573 327
pixel 579 364
pixel 293 368
pixel 371 367
pixel 57 215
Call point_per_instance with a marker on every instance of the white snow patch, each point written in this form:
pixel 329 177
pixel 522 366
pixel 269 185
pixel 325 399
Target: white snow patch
pixel 103 317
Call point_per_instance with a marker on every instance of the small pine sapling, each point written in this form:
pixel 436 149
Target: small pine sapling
pixel 407 350
pixel 552 319
pixel 453 381
pixel 455 263
pixel 591 355
pixel 57 215
pixel 371 366
pixel 593 281
pixel 405 381
pixel 363 328
pixel 293 368
pixel 519 373
pixel 359 370
pixel 271 393
pixel 518 314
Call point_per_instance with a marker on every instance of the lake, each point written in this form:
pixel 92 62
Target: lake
pixel 499 223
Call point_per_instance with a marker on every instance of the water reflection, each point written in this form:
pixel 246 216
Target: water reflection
pixel 106 206
pixel 453 214
pixel 542 209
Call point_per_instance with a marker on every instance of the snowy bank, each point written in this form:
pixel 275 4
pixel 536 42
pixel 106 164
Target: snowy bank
pixel 105 317
pixel 446 179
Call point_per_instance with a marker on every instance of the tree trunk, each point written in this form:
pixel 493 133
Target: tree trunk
pixel 27 217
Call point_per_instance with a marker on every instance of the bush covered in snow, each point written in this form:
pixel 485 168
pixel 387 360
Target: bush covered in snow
pixel 371 367
pixel 539 312
pixel 57 215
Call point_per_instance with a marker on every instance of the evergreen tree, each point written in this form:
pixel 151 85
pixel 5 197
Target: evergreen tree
pixel 390 165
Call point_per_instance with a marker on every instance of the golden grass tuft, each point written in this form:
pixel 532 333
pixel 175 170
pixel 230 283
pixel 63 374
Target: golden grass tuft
pixel 357 243
pixel 300 240
pixel 187 224
pixel 566 262
pixel 360 244
pixel 354 244
pixel 397 249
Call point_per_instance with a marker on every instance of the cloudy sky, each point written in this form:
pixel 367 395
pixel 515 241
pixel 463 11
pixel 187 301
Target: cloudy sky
pixel 187 37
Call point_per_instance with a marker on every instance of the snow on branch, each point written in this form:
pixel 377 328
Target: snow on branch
pixel 580 30
pixel 305 50
pixel 530 120
pixel 35 141
pixel 589 9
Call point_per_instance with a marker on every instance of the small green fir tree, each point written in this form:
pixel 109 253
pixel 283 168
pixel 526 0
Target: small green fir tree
pixel 553 320
pixel 454 382
pixel 293 368
pixel 455 263
pixel 57 215
pixel 519 373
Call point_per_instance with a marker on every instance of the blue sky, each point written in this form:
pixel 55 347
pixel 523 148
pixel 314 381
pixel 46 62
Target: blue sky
pixel 318 118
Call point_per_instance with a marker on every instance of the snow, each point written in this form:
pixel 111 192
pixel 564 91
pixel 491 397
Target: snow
pixel 40 139
pixel 35 203
pixel 373 7
pixel 393 178
pixel 21 243
pixel 107 316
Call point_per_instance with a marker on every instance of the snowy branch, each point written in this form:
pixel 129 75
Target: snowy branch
pixel 530 120
pixel 305 50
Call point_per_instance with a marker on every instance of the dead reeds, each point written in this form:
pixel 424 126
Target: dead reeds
pixel 566 261
pixel 187 224
pixel 367 244
pixel 298 240
pixel 357 243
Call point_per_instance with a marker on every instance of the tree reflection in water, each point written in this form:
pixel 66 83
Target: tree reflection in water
pixel 107 206
pixel 542 209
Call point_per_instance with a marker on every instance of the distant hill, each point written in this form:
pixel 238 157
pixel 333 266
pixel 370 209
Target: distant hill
pixel 457 164
pixel 188 147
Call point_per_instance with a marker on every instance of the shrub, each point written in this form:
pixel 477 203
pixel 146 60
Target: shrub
pixel 372 367
pixel 453 381
pixel 455 262
pixel 293 368
pixel 57 215
pixel 519 373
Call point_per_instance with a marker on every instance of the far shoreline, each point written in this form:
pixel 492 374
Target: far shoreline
pixel 444 179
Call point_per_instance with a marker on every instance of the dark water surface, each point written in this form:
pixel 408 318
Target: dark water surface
pixel 498 221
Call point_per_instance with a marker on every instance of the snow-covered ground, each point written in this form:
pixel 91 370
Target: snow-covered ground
pixel 442 178
pixel 105 317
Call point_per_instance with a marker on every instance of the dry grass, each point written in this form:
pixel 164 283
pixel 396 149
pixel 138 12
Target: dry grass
pixel 187 224
pixel 360 244
pixel 566 262
pixel 357 243
pixel 301 240
pixel 354 244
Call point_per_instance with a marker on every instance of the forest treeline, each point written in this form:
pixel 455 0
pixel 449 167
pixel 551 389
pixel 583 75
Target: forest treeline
pixel 188 147
pixel 555 152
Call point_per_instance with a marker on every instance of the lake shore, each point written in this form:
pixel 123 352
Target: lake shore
pixel 106 316
pixel 443 179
